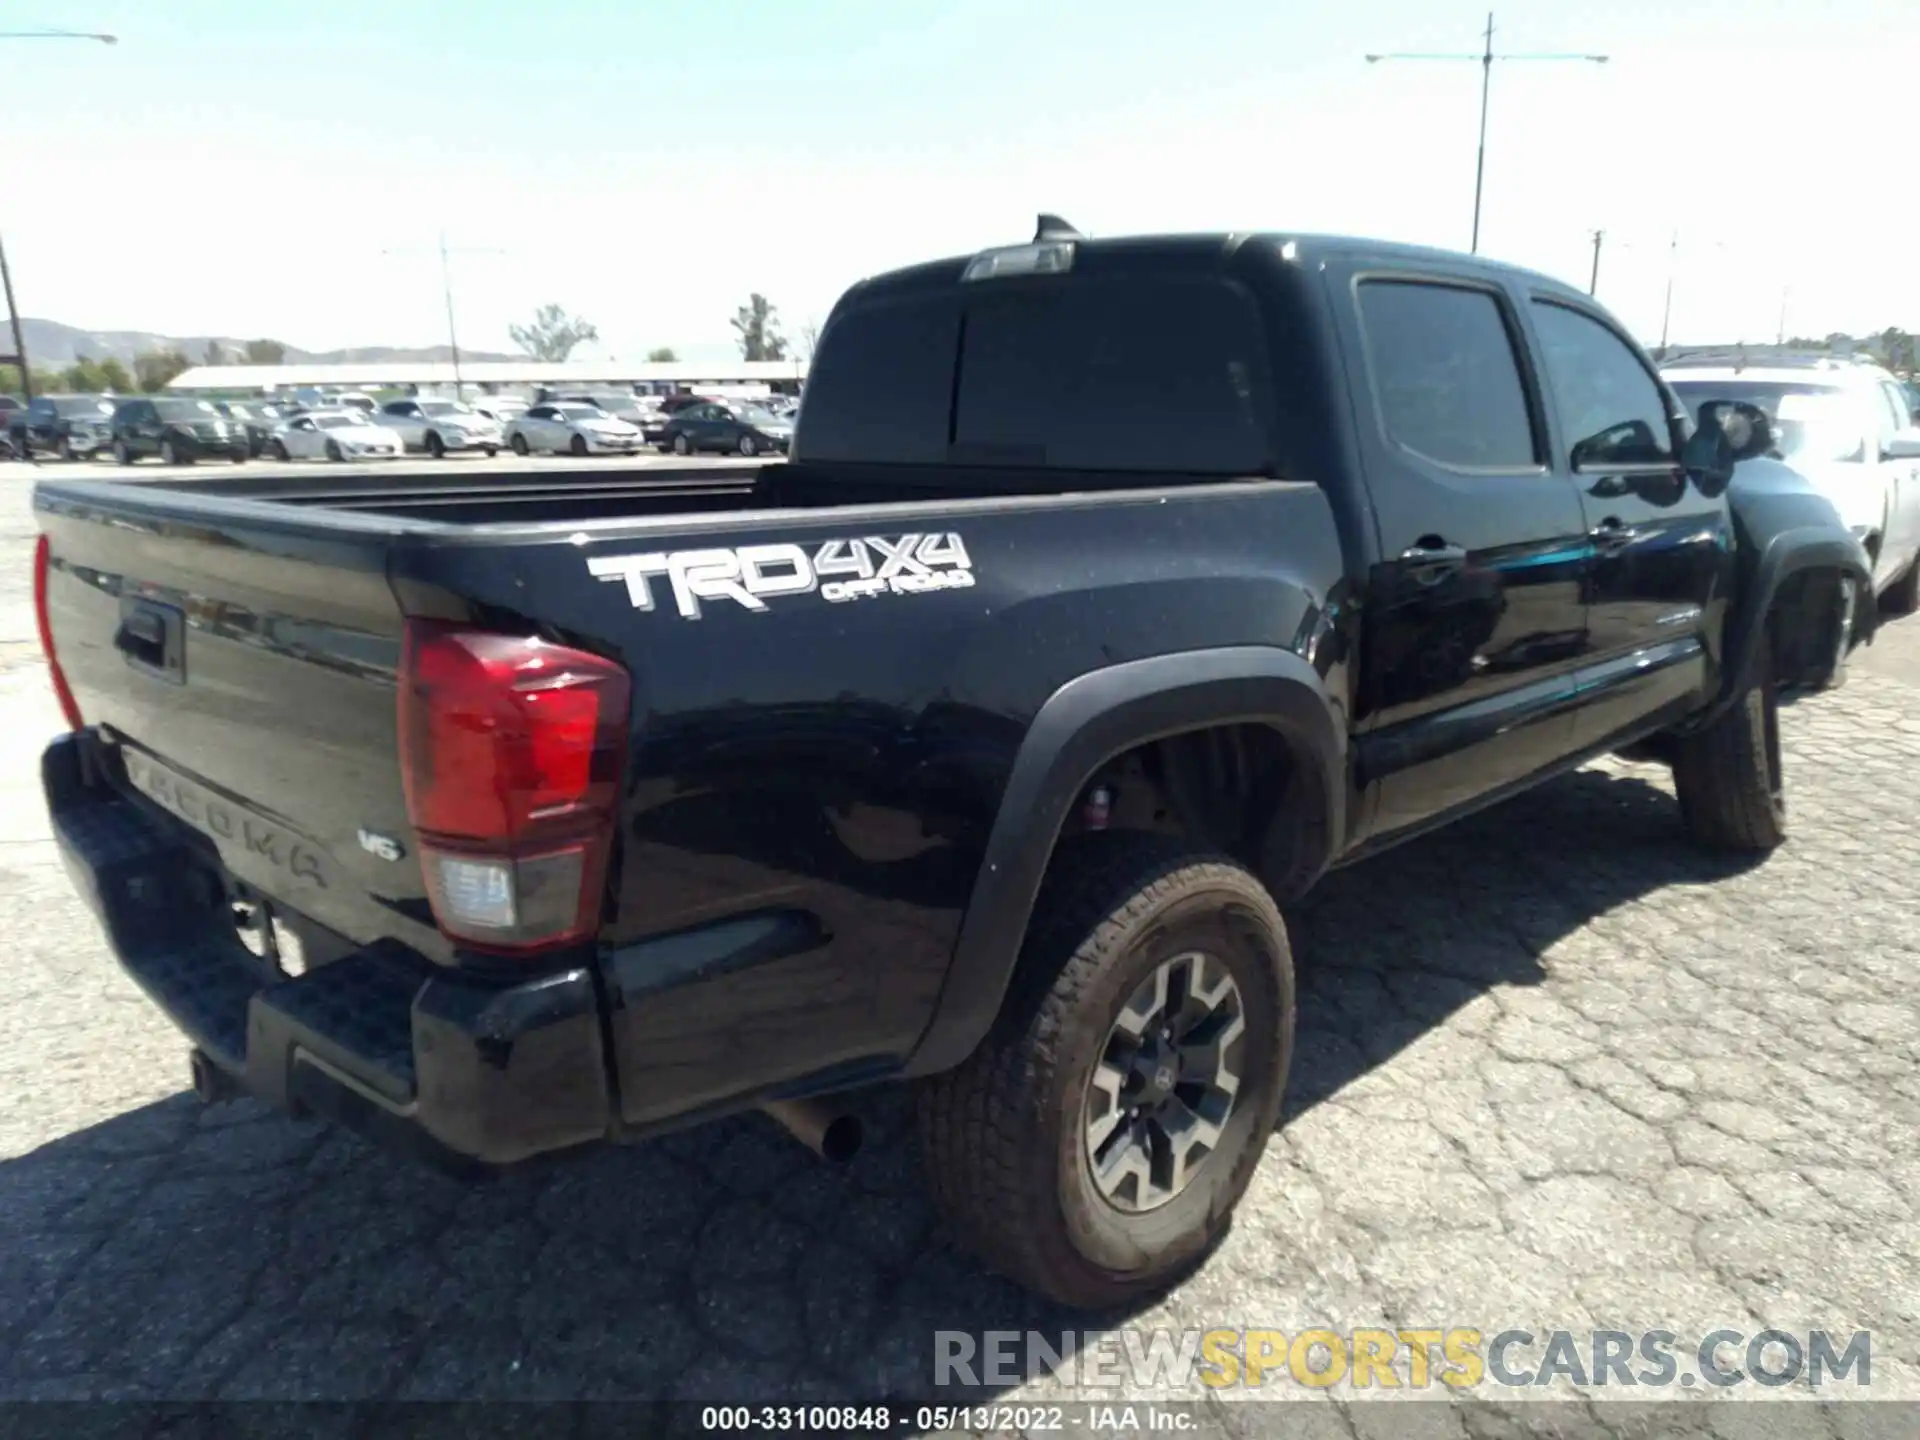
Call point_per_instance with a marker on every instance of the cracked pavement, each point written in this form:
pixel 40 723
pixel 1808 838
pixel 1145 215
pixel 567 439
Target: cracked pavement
pixel 1555 1069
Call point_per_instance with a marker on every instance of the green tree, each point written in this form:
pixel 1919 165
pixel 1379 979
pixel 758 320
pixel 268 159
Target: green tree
pixel 154 370
pixel 1896 348
pixel 661 355
pixel 83 377
pixel 265 352
pixel 553 334
pixel 757 324
pixel 114 377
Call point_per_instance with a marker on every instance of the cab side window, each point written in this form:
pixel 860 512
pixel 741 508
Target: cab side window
pixel 1611 409
pixel 1446 374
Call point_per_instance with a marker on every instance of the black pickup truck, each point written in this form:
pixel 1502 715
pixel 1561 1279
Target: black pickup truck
pixel 1115 591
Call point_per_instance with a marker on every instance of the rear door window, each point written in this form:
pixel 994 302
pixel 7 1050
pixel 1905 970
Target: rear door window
pixel 1446 374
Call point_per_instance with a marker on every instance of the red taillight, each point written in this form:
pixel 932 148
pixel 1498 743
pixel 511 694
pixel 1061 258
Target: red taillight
pixel 511 751
pixel 68 708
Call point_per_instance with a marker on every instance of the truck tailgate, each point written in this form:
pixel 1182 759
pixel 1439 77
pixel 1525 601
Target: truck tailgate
pixel 248 668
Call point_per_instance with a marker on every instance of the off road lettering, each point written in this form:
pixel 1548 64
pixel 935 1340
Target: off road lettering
pixel 751 575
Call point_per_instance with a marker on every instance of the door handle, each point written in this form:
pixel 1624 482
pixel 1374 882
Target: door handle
pixel 1610 534
pixel 1433 559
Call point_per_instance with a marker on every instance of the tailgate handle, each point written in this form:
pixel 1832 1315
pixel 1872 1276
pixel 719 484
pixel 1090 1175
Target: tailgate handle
pixel 147 639
pixel 143 637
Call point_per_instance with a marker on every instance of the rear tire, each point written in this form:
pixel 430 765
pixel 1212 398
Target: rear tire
pixel 1009 1136
pixel 65 449
pixel 577 447
pixel 520 446
pixel 1729 777
pixel 1845 619
pixel 489 451
pixel 1903 596
pixel 436 447
pixel 334 452
pixel 747 447
pixel 682 446
pixel 168 454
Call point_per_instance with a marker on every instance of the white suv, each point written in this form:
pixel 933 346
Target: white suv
pixel 1848 428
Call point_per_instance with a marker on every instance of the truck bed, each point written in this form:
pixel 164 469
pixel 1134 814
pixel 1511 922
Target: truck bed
pixel 450 495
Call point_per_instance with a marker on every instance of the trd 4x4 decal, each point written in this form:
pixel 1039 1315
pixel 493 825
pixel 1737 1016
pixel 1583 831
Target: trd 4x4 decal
pixel 750 575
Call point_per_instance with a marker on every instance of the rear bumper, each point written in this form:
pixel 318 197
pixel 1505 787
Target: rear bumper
pixel 469 1076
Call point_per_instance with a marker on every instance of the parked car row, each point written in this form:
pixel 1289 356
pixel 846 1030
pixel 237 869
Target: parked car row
pixel 179 429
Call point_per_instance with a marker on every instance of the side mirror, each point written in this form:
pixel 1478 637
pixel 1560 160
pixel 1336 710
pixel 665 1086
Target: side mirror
pixel 1728 433
pixel 1747 428
pixel 1903 446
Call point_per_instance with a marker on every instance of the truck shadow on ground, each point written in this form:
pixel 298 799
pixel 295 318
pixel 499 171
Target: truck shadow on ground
pixel 174 1253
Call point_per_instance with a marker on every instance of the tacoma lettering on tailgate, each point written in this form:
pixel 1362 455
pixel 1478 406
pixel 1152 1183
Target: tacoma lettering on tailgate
pixel 214 817
pixel 872 565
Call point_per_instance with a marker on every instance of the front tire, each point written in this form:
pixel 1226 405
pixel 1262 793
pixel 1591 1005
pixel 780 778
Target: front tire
pixel 489 451
pixel 334 451
pixel 1060 1151
pixel 65 449
pixel 1903 596
pixel 520 446
pixel 121 453
pixel 748 448
pixel 169 455
pixel 682 446
pixel 577 447
pixel 436 447
pixel 1729 777
pixel 278 451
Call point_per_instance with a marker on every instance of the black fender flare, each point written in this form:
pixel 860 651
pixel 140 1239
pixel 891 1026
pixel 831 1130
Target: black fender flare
pixel 1810 547
pixel 1082 726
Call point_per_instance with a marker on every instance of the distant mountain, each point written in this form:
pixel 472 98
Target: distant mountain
pixel 52 346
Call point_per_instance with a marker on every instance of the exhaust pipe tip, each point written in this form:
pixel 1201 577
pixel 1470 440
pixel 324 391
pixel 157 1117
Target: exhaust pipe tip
pixel 211 1084
pixel 842 1139
pixel 834 1135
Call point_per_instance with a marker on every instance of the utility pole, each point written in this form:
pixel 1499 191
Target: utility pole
pixel 1485 58
pixel 1593 281
pixel 18 359
pixel 446 289
pixel 1780 335
pixel 1666 310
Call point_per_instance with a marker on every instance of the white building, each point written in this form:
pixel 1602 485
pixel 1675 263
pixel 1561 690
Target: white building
pixel 492 374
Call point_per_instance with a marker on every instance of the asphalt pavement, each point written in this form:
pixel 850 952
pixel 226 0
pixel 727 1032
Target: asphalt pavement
pixel 1554 1069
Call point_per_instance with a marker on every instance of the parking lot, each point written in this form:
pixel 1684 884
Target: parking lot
pixel 504 466
pixel 1554 1069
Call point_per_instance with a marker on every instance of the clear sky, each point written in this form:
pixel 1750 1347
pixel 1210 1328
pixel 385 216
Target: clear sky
pixel 240 167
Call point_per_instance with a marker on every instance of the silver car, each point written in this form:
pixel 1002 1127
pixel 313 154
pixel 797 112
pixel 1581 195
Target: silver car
pixel 439 426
